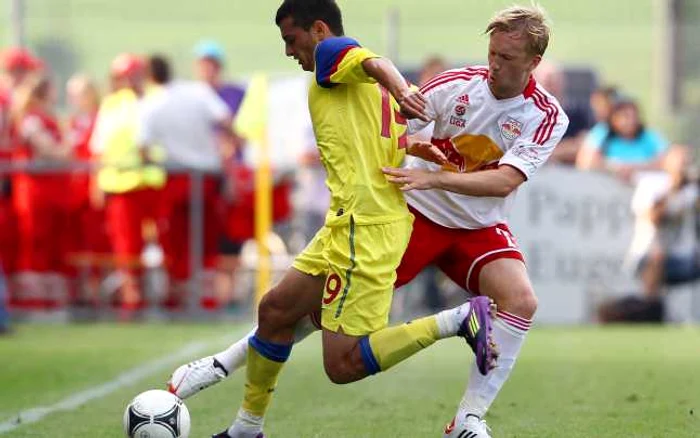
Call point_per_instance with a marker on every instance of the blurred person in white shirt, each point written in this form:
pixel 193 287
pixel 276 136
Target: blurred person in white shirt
pixel 665 244
pixel 186 118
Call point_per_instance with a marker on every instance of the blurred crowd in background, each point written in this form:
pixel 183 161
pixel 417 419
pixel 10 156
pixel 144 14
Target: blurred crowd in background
pixel 98 193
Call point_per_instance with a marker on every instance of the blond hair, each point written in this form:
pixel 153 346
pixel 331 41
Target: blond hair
pixel 530 21
pixel 83 85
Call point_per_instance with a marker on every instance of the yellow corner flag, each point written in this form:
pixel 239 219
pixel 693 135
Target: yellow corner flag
pixel 251 123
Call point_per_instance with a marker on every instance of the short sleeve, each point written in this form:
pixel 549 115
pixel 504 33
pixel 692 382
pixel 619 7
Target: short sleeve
pixel 339 61
pixel 537 141
pixel 596 136
pixel 656 142
pixel 215 105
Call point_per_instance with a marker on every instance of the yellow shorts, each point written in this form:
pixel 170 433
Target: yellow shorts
pixel 359 262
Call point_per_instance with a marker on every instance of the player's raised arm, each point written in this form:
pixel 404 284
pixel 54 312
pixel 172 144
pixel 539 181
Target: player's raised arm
pixel 411 101
pixel 341 60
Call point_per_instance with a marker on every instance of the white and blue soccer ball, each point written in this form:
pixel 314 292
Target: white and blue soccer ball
pixel 157 414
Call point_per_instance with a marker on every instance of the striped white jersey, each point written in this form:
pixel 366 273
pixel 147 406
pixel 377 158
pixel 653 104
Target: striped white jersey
pixel 477 131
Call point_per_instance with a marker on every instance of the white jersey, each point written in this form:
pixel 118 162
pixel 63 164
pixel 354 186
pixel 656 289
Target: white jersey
pixel 476 131
pixel 181 118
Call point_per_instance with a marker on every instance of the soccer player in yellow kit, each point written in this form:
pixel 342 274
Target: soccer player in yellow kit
pixel 350 266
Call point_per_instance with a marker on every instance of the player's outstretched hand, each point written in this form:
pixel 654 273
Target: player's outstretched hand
pixel 411 179
pixel 413 105
pixel 427 151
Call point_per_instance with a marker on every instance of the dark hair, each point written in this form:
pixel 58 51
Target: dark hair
pixel 306 12
pixel 609 92
pixel 621 103
pixel 160 70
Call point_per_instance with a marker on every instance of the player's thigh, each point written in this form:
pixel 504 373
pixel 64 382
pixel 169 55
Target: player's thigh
pixel 299 291
pixel 362 273
pixel 428 241
pixel 294 296
pixel 471 250
pixel 506 281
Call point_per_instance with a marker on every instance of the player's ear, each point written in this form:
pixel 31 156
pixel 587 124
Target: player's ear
pixel 535 61
pixel 320 30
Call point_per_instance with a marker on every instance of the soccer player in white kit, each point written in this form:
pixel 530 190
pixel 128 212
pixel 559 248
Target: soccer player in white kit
pixel 496 126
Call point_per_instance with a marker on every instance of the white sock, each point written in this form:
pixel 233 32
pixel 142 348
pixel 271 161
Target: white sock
pixel 448 321
pixel 234 357
pixel 246 425
pixel 509 333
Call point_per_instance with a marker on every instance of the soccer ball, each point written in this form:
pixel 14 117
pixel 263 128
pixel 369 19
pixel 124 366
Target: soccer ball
pixel 157 414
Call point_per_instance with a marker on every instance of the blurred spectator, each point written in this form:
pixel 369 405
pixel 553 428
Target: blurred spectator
pixel 432 66
pixel 602 102
pixel 17 64
pixel 131 184
pixel 39 198
pixel 552 78
pixel 182 118
pixel 209 67
pixel 87 238
pixel 664 249
pixel 665 243
pixel 624 145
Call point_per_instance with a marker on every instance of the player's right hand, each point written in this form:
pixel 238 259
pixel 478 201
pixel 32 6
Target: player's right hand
pixel 428 152
pixel 412 105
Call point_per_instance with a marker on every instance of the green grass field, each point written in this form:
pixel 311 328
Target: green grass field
pixel 588 382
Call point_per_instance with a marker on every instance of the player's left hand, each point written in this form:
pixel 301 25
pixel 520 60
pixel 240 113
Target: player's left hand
pixel 427 151
pixel 411 179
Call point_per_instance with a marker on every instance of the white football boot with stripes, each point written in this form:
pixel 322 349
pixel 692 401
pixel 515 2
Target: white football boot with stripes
pixel 471 427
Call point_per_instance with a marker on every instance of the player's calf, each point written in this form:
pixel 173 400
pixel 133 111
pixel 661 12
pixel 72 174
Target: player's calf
pixel 342 359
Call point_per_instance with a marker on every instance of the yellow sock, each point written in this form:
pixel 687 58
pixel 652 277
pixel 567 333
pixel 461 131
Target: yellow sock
pixel 387 347
pixel 261 375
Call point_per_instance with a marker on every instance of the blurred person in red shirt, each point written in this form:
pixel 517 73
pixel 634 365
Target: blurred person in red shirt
pixel 17 64
pixel 87 239
pixel 129 183
pixel 39 198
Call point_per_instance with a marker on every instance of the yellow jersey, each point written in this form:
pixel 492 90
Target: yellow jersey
pixel 358 131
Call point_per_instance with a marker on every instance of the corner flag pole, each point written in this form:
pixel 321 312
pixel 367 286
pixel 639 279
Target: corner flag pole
pixel 252 124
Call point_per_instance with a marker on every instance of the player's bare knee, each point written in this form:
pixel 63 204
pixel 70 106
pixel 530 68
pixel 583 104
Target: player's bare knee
pixel 522 302
pixel 526 304
pixel 271 311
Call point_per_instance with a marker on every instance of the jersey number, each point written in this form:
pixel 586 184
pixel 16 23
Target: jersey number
pixel 510 240
pixel 333 286
pixel 386 119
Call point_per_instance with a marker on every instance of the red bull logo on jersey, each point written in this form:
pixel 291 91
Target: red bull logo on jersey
pixel 511 129
pixel 467 153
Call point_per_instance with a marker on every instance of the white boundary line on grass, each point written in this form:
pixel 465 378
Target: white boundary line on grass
pixel 130 377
